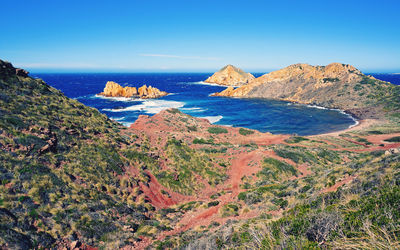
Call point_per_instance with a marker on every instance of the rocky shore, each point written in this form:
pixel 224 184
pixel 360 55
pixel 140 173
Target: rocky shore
pixel 336 85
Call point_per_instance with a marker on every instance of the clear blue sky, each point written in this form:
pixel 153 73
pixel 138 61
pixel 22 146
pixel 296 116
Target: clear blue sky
pixel 168 35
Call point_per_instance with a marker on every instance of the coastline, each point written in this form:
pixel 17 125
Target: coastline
pixel 362 124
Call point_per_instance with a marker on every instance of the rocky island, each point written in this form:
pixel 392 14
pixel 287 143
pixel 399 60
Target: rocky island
pixel 336 85
pixel 113 89
pixel 230 76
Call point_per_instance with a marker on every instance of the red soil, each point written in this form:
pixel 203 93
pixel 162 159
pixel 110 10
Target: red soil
pixel 243 163
pixel 157 199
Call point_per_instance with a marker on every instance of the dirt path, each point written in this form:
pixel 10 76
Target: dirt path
pixel 153 193
pixel 205 216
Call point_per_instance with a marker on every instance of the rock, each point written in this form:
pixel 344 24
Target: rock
pixel 332 86
pixel 51 145
pixel 392 151
pixel 113 89
pixel 7 70
pixel 21 72
pixel 229 91
pixel 75 244
pixel 230 76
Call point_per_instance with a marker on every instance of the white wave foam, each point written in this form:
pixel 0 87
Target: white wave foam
pixel 117 118
pixel 120 99
pixel 315 106
pixel 127 124
pixel 212 84
pixel 213 119
pixel 355 123
pixel 194 109
pixel 150 106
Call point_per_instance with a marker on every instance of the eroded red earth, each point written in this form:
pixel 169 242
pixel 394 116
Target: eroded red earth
pixel 170 123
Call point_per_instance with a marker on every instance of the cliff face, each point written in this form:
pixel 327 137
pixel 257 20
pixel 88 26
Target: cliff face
pixel 335 85
pixel 113 89
pixel 230 76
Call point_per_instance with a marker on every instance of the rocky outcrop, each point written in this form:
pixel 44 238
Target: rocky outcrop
pixel 230 76
pixel 335 85
pixel 113 89
pixel 7 70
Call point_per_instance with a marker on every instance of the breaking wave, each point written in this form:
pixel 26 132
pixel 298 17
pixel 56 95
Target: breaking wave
pixel 150 106
pixel 213 119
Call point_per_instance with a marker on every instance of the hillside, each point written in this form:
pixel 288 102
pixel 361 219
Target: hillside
pixel 335 86
pixel 68 176
pixel 71 177
pixel 276 191
pixel 230 76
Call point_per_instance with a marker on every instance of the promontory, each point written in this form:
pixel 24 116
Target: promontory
pixel 113 89
pixel 334 86
pixel 230 76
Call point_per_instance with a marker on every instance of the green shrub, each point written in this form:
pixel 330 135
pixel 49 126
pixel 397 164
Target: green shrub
pixel 202 141
pixel 296 156
pixel 173 111
pixel 274 169
pixel 243 131
pixel 242 196
pixel 393 139
pixel 329 79
pixel 212 203
pixel 296 139
pixel 192 128
pixel 217 130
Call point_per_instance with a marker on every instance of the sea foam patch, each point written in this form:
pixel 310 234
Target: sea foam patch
pixel 117 118
pixel 150 106
pixel 193 109
pixel 316 107
pixel 120 99
pixel 213 119
pixel 127 124
pixel 210 84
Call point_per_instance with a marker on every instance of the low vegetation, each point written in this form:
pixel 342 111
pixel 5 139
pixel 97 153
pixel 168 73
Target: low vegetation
pixel 244 131
pixel 217 130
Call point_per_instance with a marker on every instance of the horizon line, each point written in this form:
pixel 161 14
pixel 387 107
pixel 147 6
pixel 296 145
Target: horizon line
pixel 98 71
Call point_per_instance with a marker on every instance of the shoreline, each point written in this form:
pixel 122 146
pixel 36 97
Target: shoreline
pixel 358 123
pixel 361 124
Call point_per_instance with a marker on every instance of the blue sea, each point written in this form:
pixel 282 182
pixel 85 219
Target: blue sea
pixel 190 95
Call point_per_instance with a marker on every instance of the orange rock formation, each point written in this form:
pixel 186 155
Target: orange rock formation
pixel 230 76
pixel 113 89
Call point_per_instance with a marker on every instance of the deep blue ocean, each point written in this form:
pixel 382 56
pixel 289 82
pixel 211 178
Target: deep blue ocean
pixel 190 95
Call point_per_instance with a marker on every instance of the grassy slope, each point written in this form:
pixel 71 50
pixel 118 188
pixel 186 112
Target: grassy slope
pixel 69 173
pixel 60 168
